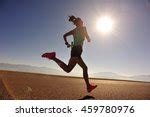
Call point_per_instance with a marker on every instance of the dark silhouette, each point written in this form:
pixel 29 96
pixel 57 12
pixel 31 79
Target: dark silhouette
pixel 79 34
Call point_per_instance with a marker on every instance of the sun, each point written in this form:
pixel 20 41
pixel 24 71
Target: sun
pixel 105 24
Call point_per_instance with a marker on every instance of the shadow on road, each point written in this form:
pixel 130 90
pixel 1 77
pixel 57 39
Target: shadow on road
pixel 87 97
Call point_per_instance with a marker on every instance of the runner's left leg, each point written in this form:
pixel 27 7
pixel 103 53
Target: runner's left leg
pixel 85 75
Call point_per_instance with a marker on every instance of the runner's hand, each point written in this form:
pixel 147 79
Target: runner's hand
pixel 89 40
pixel 68 45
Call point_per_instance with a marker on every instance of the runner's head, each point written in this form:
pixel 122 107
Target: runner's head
pixel 76 21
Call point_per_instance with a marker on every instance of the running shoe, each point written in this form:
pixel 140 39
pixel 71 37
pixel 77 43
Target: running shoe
pixel 91 88
pixel 49 55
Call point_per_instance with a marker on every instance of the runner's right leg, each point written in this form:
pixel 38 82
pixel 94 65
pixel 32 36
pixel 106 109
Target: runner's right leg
pixel 67 68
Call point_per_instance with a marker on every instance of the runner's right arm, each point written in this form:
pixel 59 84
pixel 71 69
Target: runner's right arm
pixel 65 37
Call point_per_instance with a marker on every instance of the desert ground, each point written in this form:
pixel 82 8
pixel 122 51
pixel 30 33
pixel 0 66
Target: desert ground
pixel 24 86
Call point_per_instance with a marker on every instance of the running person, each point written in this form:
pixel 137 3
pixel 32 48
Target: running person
pixel 79 35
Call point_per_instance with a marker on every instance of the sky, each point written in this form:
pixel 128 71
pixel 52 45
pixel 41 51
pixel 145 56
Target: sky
pixel 29 28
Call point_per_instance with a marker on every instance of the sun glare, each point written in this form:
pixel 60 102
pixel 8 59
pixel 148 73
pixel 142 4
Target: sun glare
pixel 105 24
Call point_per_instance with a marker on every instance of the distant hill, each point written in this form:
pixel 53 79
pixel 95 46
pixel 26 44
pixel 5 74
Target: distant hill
pixel 28 68
pixel 45 70
pixel 145 78
pixel 111 75
pixel 105 75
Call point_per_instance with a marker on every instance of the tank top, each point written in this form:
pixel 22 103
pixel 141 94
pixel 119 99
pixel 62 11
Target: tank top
pixel 79 36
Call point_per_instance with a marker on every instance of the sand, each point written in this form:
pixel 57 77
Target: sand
pixel 4 95
pixel 19 85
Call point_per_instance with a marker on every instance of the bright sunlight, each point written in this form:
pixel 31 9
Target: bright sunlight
pixel 105 24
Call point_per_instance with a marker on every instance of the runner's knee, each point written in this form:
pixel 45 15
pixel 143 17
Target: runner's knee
pixel 70 67
pixel 85 68
pixel 68 70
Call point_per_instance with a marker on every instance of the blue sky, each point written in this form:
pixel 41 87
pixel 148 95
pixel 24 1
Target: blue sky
pixel 29 28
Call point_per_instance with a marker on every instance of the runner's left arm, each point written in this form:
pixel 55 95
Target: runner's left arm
pixel 86 35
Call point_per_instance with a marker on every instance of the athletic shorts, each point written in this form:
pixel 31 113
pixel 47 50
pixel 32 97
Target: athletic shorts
pixel 76 51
